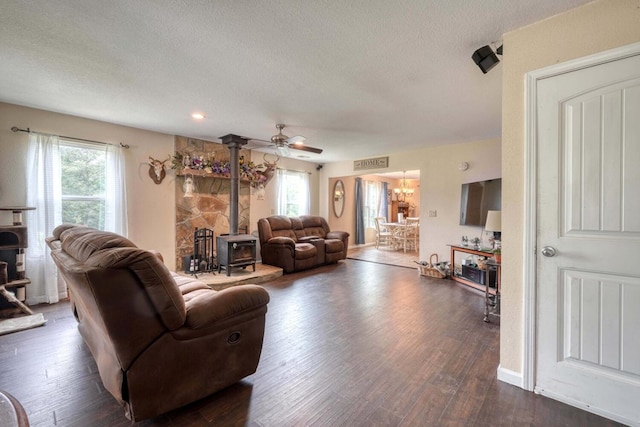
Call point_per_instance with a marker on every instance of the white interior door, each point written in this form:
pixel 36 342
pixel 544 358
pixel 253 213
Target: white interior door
pixel 588 212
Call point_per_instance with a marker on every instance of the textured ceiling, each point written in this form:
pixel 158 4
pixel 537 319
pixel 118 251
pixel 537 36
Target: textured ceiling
pixel 356 78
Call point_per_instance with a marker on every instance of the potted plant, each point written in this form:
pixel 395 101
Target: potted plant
pixel 497 254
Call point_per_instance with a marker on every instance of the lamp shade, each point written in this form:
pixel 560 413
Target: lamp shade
pixel 494 221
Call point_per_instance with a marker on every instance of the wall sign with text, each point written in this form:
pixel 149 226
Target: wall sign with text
pixel 375 163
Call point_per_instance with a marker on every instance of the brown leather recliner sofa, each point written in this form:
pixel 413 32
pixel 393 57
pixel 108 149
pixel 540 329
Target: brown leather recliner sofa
pixel 299 243
pixel 159 340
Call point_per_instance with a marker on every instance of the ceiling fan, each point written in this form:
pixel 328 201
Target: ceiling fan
pixel 283 143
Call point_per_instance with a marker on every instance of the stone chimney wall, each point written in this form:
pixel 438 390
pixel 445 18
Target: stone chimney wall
pixel 209 206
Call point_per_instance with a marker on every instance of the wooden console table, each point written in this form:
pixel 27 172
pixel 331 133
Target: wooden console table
pixel 459 278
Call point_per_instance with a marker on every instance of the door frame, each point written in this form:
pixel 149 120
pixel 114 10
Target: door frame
pixel 529 350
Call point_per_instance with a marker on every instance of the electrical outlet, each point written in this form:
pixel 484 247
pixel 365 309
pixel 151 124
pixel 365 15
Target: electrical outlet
pixel 433 214
pixel 273 211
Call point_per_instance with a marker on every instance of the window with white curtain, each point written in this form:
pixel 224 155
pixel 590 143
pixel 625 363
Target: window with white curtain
pixel 372 199
pixel 69 182
pixel 92 186
pixel 293 192
pixel 83 183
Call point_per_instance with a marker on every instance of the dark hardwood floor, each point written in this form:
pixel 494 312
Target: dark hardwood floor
pixel 353 344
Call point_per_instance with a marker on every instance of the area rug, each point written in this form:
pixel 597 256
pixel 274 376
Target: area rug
pixel 16 324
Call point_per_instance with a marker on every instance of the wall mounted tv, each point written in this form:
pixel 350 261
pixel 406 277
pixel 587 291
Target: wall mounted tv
pixel 477 198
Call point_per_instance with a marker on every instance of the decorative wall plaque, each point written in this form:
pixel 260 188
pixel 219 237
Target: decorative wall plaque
pixel 375 163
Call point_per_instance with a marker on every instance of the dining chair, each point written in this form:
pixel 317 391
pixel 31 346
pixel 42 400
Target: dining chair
pixel 410 234
pixel 384 237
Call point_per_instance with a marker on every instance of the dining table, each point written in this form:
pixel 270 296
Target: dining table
pixel 398 231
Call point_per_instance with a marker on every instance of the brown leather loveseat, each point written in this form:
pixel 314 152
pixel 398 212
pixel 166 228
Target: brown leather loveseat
pixel 159 340
pixel 298 243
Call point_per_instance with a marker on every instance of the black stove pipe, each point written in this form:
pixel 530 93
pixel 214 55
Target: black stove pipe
pixel 234 142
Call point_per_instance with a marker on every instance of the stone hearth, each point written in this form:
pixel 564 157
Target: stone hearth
pixel 264 273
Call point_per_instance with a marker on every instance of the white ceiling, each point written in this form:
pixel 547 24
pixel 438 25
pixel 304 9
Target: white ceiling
pixel 358 78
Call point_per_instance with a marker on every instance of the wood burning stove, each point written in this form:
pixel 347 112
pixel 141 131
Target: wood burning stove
pixel 236 251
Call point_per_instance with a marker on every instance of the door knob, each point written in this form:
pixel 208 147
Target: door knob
pixel 549 251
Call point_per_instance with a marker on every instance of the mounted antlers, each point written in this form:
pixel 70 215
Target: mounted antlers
pixel 156 169
pixel 270 168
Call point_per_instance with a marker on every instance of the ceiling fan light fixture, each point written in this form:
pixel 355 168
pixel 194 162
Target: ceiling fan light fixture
pixel 296 140
pixel 283 150
pixel 279 139
pixel 284 144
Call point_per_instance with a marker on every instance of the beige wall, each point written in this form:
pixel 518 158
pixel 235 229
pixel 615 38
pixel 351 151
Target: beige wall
pixel 440 183
pixel 440 191
pixel 268 206
pixel 589 29
pixel 151 207
pixel 586 30
pixel 347 221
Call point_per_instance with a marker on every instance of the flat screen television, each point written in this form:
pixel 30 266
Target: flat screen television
pixel 477 198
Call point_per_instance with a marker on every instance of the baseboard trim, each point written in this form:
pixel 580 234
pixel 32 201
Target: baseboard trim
pixel 510 377
pixel 589 408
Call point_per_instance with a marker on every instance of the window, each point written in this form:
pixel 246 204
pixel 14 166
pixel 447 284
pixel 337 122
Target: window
pixel 69 181
pixel 372 193
pixel 293 193
pixel 83 180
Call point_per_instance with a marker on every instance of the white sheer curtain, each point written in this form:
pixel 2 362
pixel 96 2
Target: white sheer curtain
pixel 44 192
pixel 304 196
pixel 281 202
pixel 116 197
pixel 293 193
pixel 372 202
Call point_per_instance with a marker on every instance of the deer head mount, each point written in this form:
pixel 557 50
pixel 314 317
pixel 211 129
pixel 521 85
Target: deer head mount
pixel 156 169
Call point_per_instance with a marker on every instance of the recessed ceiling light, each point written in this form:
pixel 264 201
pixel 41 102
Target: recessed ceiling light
pixel 198 116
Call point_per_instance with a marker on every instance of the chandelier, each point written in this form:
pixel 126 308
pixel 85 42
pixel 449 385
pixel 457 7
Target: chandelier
pixel 404 191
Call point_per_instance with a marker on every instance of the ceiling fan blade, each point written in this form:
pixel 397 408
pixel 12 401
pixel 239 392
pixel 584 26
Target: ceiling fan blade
pixel 256 143
pixel 298 139
pixel 283 144
pixel 306 148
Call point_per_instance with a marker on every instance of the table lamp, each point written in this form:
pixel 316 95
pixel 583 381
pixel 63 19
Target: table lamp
pixel 494 224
